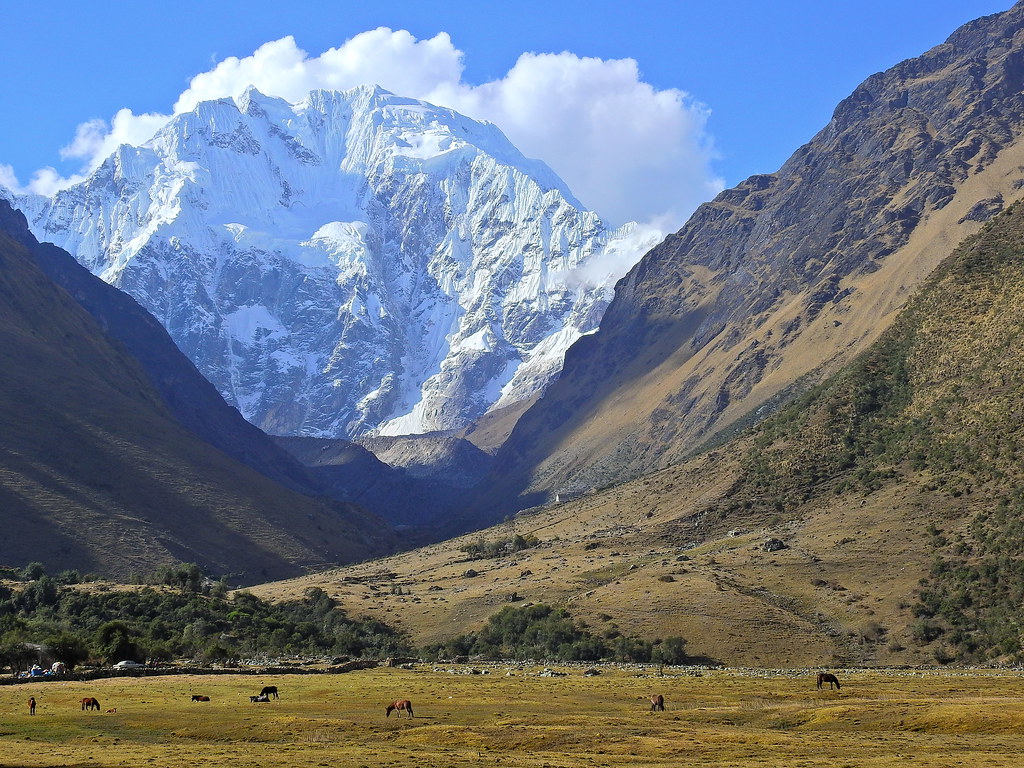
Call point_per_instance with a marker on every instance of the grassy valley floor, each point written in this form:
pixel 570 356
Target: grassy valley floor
pixel 515 718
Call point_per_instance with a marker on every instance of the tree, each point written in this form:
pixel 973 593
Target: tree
pixel 115 641
pixel 15 653
pixel 672 651
pixel 68 647
pixel 32 571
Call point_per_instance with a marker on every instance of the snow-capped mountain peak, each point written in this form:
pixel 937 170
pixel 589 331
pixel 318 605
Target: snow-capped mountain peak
pixel 356 261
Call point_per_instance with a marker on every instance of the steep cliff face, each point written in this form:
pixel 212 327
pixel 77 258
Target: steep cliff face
pixel 100 470
pixel 355 262
pixel 788 274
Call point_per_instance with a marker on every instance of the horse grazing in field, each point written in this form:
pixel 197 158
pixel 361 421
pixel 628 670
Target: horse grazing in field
pixel 31 705
pixel 270 690
pixel 90 703
pixel 400 705
pixel 657 702
pixel 827 677
pixel 198 697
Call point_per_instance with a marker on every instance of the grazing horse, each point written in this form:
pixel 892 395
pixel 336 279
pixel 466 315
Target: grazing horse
pixel 198 697
pixel 259 699
pixel 31 705
pixel 270 690
pixel 90 703
pixel 657 702
pixel 827 677
pixel 401 704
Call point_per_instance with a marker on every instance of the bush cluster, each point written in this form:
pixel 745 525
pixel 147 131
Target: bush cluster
pixel 481 548
pixel 543 632
pixel 186 621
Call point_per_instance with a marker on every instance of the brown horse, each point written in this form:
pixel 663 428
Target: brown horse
pixel 657 702
pixel 401 704
pixel 827 677
pixel 270 690
pixel 198 697
pixel 90 703
pixel 31 705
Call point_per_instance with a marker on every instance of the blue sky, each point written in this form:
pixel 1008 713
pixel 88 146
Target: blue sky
pixel 760 78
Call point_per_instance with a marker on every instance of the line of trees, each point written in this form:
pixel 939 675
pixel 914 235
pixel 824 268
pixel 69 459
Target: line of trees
pixel 182 615
pixel 186 618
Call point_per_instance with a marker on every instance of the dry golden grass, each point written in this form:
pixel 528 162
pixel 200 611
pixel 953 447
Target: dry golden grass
pixel 840 594
pixel 722 718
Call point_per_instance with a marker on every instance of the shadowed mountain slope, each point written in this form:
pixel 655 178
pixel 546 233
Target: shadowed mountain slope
pixel 194 402
pixel 446 458
pixel 422 499
pixel 782 279
pixel 97 473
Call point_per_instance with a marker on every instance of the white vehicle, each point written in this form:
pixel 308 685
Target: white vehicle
pixel 128 664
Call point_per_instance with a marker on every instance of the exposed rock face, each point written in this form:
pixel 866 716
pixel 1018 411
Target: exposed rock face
pixel 787 274
pixel 356 261
pixel 104 461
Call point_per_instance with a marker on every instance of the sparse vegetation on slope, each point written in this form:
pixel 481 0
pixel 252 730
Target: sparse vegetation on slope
pixel 937 402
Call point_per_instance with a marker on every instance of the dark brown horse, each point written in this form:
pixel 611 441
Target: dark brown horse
pixel 400 705
pixel 270 690
pixel 31 705
pixel 827 677
pixel 199 697
pixel 90 703
pixel 657 702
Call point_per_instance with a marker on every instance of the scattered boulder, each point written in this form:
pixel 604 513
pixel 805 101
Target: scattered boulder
pixel 774 545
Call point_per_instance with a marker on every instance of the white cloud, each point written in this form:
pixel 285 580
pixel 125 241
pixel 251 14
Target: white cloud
pixel 96 140
pixel 46 181
pixel 393 60
pixel 626 149
pixel 8 179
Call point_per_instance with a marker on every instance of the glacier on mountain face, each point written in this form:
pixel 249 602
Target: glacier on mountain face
pixel 356 262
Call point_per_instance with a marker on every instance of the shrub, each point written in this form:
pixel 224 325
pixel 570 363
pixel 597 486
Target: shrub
pixel 545 632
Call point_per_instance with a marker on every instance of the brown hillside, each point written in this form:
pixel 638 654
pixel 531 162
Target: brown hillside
pixel 643 558
pixel 784 278
pixel 875 521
